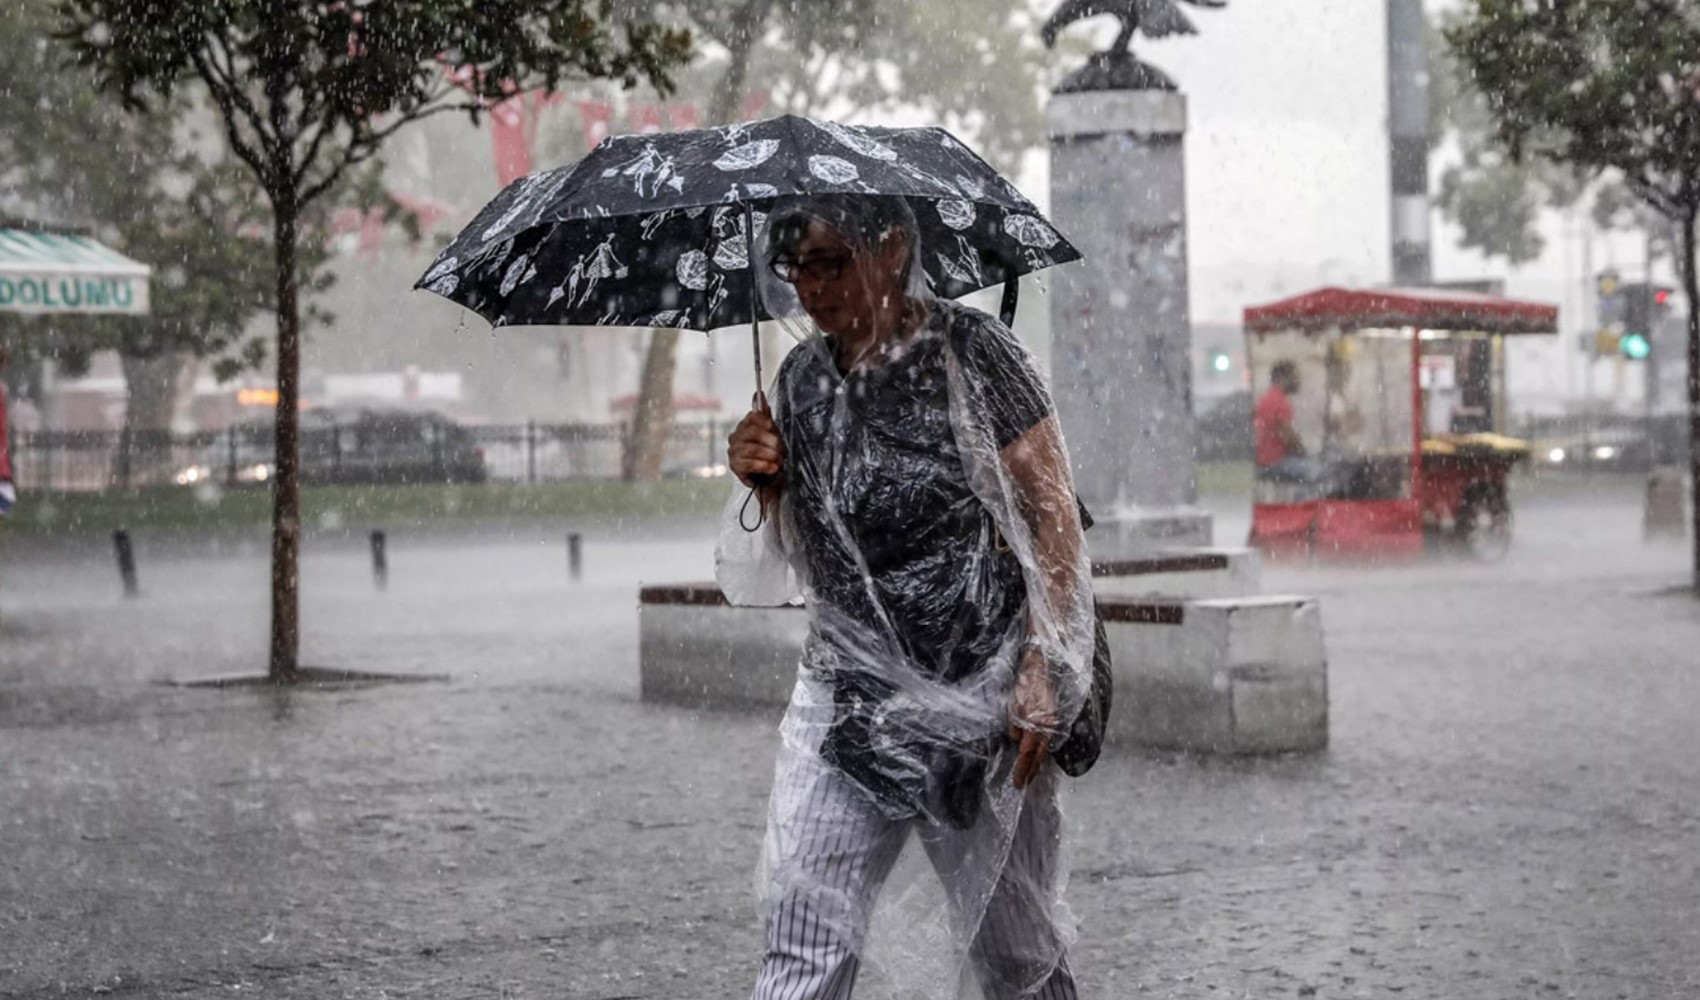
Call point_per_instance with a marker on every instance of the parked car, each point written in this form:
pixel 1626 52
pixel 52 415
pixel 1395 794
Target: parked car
pixel 339 447
pixel 1606 449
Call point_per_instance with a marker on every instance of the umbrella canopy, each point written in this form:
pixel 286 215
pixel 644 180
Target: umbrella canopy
pixel 60 273
pixel 654 230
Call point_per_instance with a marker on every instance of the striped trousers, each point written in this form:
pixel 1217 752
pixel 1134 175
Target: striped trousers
pixel 829 849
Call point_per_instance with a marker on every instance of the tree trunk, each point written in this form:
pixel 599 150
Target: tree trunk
pixel 1691 291
pixel 151 386
pixel 286 498
pixel 652 423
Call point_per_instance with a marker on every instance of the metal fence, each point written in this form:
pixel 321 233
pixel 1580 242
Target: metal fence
pixel 540 452
pixel 430 452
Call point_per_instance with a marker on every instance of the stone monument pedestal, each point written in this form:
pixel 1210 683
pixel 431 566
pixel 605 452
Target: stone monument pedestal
pixel 1121 326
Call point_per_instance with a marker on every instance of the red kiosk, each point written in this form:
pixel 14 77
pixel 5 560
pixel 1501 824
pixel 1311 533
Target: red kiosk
pixel 1397 405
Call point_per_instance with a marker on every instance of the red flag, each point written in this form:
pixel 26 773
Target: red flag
pixel 596 118
pixel 643 117
pixel 683 115
pixel 509 134
pixel 754 103
pixel 366 225
pixel 429 211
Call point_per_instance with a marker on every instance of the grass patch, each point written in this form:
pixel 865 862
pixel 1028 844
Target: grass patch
pixel 183 509
pixel 1224 479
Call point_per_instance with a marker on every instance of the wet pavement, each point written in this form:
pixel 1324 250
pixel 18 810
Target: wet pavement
pixel 1507 808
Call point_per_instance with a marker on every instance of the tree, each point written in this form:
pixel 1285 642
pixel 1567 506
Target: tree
pixel 1604 85
pixel 849 57
pixel 309 90
pixel 973 66
pixel 1495 200
pixel 159 186
pixel 70 156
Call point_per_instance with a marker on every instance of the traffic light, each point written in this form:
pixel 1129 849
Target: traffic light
pixel 1645 306
pixel 1221 362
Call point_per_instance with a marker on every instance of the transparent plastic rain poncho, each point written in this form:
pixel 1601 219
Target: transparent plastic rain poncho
pixel 928 521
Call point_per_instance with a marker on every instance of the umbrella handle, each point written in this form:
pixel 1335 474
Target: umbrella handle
pixel 763 479
pixel 755 315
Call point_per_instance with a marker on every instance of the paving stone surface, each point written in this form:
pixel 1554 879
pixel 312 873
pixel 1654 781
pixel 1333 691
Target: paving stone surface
pixel 1507 808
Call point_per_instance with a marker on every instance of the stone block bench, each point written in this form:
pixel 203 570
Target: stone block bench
pixel 697 649
pixel 1243 675
pixel 1222 675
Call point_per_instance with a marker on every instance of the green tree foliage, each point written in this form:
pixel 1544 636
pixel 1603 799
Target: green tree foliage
pixel 1496 200
pixel 307 91
pixel 1603 85
pixel 159 186
pixel 975 67
pixel 70 156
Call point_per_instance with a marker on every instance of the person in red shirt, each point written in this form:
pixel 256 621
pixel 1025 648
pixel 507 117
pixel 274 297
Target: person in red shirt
pixel 1280 451
pixel 8 494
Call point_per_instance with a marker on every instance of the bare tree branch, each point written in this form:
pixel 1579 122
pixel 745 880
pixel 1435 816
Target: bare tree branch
pixel 227 75
pixel 311 156
pixel 363 148
pixel 229 116
pixel 1668 205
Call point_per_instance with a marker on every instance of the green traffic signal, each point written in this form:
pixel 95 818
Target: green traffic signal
pixel 1635 346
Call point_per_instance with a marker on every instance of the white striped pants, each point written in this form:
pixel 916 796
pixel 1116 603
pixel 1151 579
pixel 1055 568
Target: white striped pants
pixel 830 848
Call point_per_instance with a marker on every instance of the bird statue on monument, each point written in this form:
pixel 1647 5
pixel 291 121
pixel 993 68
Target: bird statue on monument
pixel 1156 18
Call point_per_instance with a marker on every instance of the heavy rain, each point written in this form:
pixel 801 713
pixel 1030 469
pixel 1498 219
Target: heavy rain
pixel 895 498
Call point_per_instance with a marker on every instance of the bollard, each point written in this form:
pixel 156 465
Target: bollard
pixel 575 555
pixel 1662 517
pixel 380 561
pixel 531 451
pixel 126 561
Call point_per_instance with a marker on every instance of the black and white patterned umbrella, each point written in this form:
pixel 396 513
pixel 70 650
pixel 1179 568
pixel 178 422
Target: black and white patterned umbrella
pixel 652 230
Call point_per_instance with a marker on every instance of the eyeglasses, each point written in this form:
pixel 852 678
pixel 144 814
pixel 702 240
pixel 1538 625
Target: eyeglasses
pixel 821 267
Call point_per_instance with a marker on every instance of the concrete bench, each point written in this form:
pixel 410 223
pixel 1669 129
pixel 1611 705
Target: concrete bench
pixel 697 649
pixel 1246 675
pixel 1225 675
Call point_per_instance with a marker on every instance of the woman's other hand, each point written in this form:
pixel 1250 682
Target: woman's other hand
pixel 1032 714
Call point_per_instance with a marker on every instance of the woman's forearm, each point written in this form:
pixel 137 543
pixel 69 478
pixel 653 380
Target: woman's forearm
pixel 1038 467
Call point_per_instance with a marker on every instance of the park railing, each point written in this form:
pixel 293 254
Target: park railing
pixel 406 452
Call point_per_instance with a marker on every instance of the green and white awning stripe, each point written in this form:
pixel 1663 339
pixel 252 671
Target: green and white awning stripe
pixel 44 272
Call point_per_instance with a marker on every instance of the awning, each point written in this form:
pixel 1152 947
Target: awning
pixel 1430 308
pixel 59 273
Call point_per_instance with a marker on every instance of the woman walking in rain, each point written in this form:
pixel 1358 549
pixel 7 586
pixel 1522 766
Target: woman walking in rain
pixel 913 486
